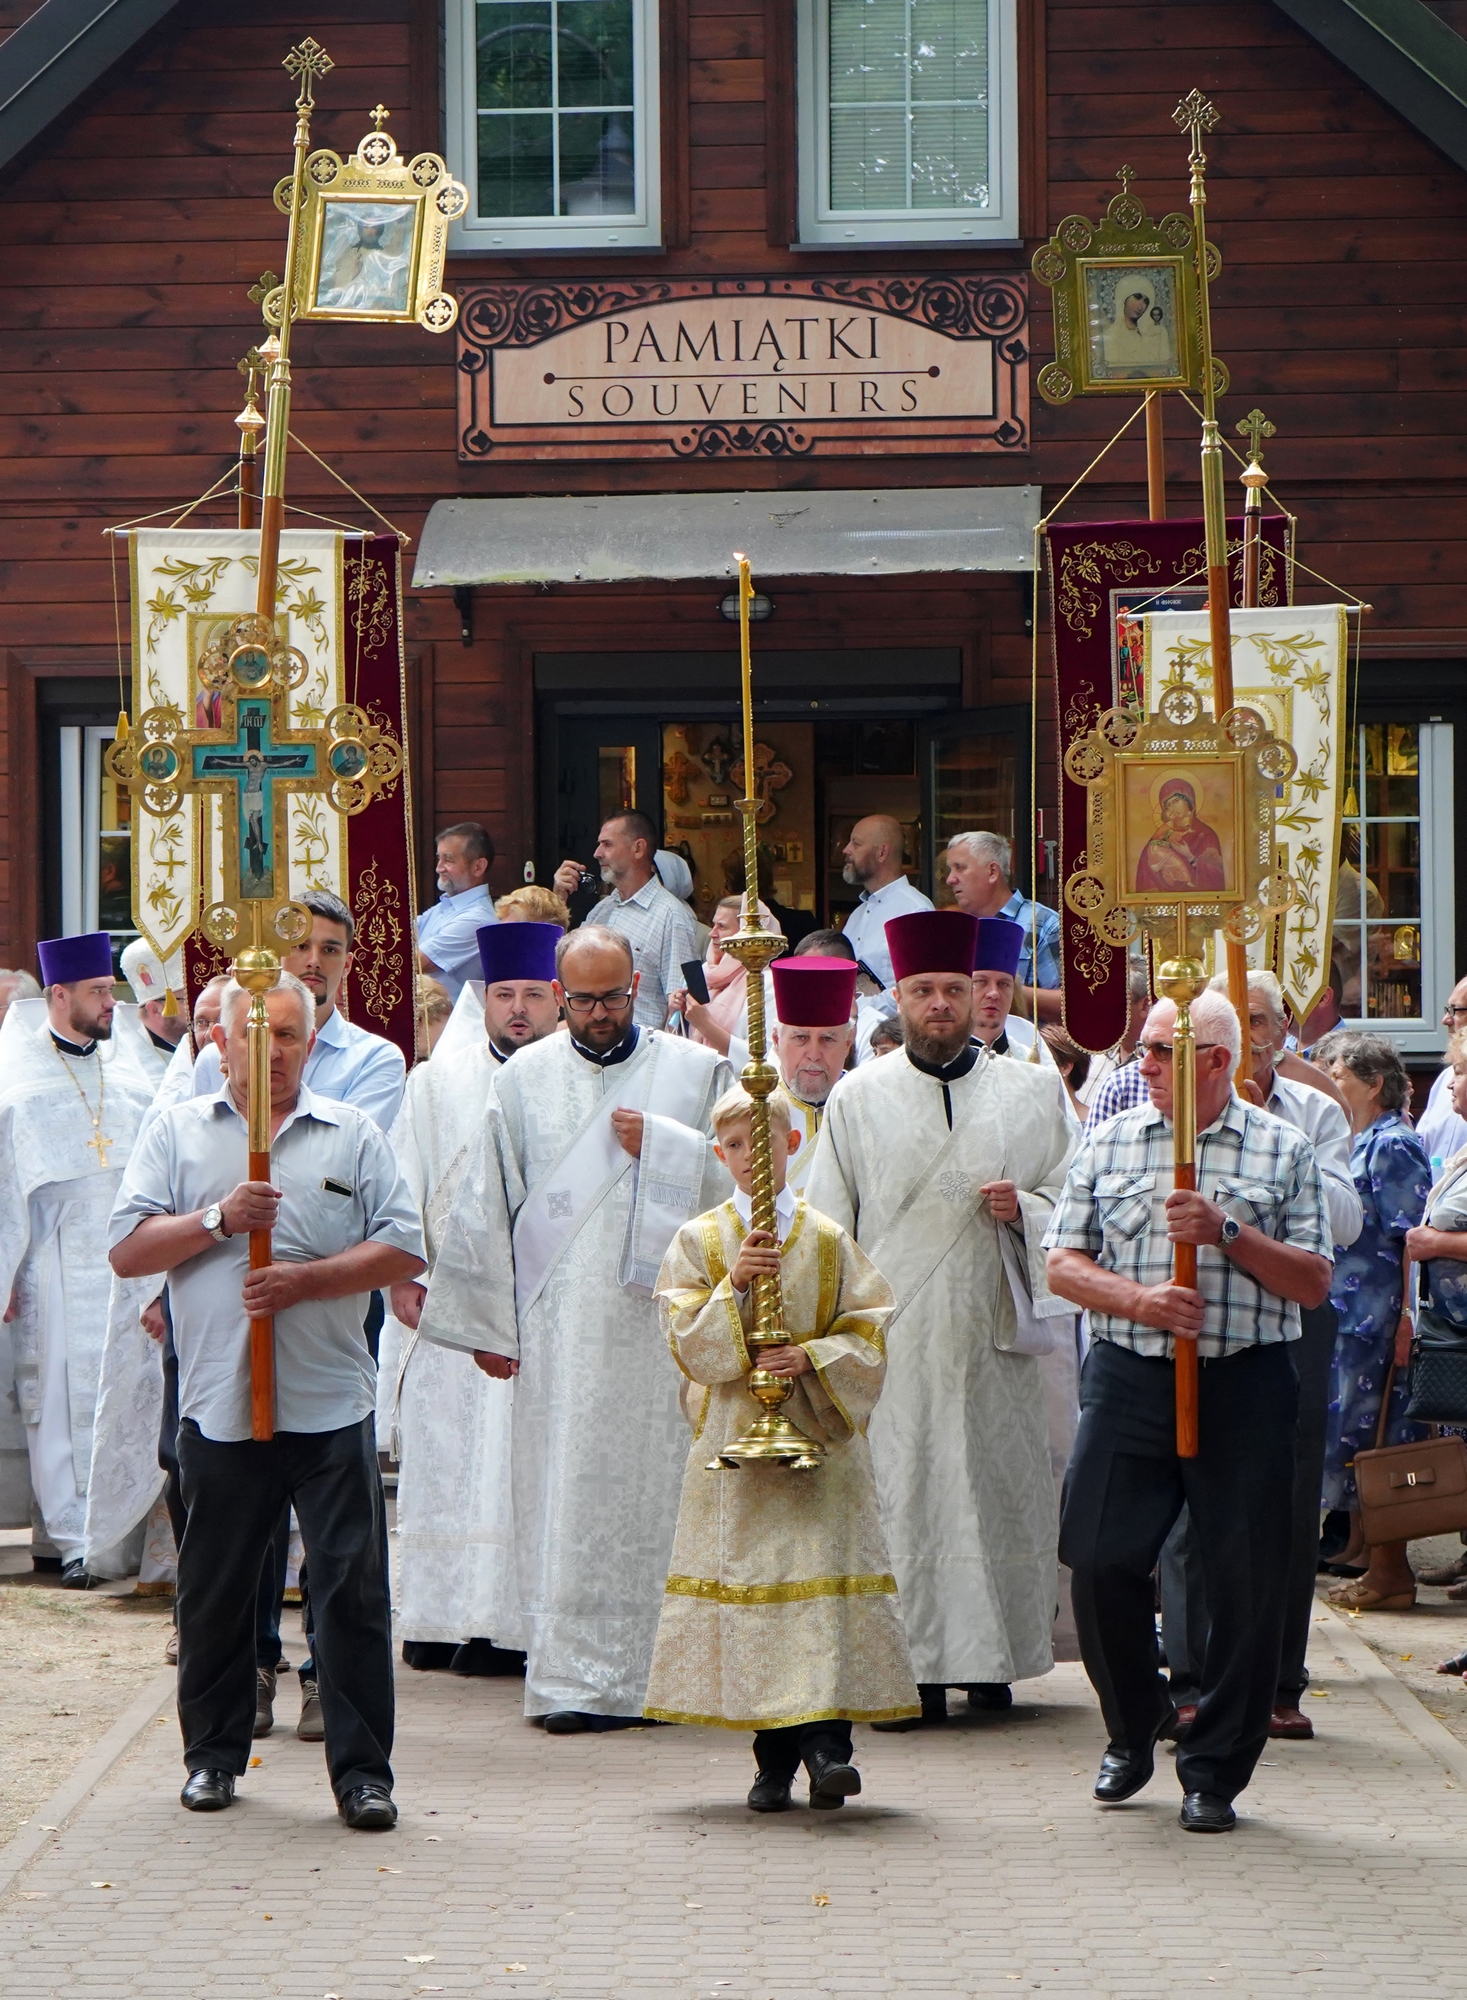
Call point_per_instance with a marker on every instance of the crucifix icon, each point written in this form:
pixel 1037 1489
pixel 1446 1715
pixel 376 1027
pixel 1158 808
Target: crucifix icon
pixel 251 768
pixel 100 1147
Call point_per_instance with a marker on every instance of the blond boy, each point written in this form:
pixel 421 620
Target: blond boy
pixel 781 1612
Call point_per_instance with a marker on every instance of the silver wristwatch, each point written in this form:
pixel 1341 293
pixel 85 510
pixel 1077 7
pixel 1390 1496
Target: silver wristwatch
pixel 1230 1232
pixel 213 1221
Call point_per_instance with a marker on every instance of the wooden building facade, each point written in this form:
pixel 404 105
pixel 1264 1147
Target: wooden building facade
pixel 137 213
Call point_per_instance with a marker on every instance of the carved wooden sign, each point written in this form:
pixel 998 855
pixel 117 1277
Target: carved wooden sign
pixel 743 368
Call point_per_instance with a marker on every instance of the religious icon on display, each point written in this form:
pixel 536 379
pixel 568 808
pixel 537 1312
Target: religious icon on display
pixel 373 235
pixel 1126 303
pixel 1180 849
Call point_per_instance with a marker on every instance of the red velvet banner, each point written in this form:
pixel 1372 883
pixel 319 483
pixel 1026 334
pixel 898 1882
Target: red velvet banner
pixel 381 878
pixel 1103 575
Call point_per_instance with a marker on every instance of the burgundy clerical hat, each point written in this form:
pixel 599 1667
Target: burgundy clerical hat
pixel 813 992
pixel 517 951
pixel 65 960
pixel 931 941
pixel 999 945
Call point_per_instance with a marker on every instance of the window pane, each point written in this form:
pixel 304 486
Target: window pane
pixel 908 93
pixel 596 52
pixel 514 56
pixel 1377 943
pixel 515 165
pixel 597 164
pixel 975 781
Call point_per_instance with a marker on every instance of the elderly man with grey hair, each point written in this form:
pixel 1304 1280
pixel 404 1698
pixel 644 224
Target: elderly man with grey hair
pixel 1259 1223
pixel 344 1224
pixel 979 868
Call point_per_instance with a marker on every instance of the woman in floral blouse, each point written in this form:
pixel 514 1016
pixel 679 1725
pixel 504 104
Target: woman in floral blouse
pixel 1393 1176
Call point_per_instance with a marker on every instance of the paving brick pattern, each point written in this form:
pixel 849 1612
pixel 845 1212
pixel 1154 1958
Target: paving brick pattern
pixel 627 1865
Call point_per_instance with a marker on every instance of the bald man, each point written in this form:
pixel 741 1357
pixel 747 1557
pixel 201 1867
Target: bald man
pixel 873 858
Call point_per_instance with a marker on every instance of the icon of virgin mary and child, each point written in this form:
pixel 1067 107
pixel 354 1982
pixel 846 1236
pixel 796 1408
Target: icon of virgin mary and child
pixel 1184 853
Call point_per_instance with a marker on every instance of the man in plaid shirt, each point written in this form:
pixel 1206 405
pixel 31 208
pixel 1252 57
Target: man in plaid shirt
pixel 1263 1249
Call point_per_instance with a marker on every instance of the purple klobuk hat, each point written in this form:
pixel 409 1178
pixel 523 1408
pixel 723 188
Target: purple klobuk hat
pixel 517 951
pixel 999 945
pixel 65 960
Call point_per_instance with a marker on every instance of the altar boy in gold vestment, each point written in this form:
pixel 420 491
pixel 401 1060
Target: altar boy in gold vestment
pixel 781 1611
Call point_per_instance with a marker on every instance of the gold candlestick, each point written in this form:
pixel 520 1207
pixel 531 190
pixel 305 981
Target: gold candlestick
pixel 771 1439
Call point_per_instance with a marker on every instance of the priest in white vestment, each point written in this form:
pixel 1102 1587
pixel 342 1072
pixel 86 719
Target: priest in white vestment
pixel 595 1151
pixel 67 1126
pixel 457 1594
pixel 158 1028
pixel 944 1163
pixel 814 1027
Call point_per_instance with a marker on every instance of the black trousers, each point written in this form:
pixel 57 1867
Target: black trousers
pixel 1183 1593
pixel 780 1752
pixel 1125 1489
pixel 234 1494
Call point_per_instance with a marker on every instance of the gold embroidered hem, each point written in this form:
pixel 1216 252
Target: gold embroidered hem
pixel 781 1606
pixel 784 1721
pixel 709 1587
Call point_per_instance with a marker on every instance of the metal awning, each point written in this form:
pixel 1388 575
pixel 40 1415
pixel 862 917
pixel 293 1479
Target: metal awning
pixel 665 537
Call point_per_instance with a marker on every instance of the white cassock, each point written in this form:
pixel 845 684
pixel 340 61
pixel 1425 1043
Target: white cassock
pixel 450 1423
pixel 808 1118
pixel 550 1254
pixel 55 1200
pixel 959 1439
pixel 132 1045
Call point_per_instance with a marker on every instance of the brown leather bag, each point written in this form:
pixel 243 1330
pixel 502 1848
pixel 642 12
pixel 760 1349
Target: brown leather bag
pixel 1408 1491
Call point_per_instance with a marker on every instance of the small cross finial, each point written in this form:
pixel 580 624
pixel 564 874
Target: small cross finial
pixel 1125 177
pixel 379 115
pixel 1255 427
pixel 260 292
pixel 305 64
pixel 250 363
pixel 1195 114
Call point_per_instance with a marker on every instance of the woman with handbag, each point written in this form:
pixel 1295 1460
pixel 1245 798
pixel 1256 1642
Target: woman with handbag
pixel 1393 1177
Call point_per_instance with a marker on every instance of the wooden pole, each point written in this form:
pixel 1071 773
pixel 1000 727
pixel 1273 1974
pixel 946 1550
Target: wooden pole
pixel 1155 457
pixel 1180 980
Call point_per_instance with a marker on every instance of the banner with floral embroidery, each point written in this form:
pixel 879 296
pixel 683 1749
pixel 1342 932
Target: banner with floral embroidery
pixel 338 602
pixel 1289 663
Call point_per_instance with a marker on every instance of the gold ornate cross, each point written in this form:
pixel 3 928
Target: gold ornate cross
pixel 379 114
pixel 99 1146
pixel 306 63
pixel 1125 177
pixel 1195 114
pixel 1255 427
pixel 260 292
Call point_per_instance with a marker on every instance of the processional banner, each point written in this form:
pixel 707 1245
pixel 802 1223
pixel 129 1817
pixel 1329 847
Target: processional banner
pixel 1290 665
pixel 1104 577
pixel 339 604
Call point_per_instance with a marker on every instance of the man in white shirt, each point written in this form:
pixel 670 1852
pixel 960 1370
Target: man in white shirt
pixel 344 1224
pixel 873 862
pixel 1439 1128
pixel 447 934
pixel 658 926
pixel 346 1063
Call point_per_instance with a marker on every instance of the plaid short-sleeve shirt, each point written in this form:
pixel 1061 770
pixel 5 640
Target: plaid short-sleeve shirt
pixel 1255 1167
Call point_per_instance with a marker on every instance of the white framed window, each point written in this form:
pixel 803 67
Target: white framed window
pixel 553 123
pixel 908 121
pixel 96 837
pixel 1394 905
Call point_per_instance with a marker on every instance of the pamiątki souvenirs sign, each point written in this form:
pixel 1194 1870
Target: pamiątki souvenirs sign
pixel 743 368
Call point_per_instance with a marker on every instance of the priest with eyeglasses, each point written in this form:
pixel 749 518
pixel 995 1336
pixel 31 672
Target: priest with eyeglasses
pixel 595 1150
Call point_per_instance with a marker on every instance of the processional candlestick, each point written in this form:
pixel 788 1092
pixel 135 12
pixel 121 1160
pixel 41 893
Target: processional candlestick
pixel 771 1439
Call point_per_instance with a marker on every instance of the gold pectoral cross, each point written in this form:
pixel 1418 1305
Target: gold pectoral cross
pixel 99 1146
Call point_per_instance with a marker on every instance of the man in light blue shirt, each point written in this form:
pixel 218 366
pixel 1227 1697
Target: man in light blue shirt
pixel 448 933
pixel 346 1063
pixel 978 871
pixel 873 858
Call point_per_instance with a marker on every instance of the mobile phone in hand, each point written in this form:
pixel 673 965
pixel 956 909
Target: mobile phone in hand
pixel 695 979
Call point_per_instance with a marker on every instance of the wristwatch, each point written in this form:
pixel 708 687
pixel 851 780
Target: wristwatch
pixel 1227 1235
pixel 213 1221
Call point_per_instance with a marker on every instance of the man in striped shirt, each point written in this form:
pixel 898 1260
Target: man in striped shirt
pixel 1259 1223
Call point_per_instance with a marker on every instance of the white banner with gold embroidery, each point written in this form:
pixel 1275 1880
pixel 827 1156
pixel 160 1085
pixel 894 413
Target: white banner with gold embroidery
pixel 1289 664
pixel 187 585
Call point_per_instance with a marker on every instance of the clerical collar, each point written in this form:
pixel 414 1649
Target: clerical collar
pixel 617 1055
pixel 948 1072
pixel 162 1042
pixel 67 1048
pixel 500 1055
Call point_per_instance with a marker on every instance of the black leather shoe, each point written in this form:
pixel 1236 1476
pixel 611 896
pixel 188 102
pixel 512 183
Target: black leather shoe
pixel 482 1656
pixel 832 1783
pixel 1206 1812
pixel 934 1709
pixel 208 1791
pixel 990 1694
pixel 74 1576
pixel 770 1794
pixel 368 1808
pixel 428 1656
pixel 1124 1772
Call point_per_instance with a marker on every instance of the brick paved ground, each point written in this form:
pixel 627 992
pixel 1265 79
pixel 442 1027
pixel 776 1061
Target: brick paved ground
pixel 627 1865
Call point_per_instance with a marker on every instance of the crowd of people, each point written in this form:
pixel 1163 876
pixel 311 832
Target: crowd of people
pixel 525 1271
